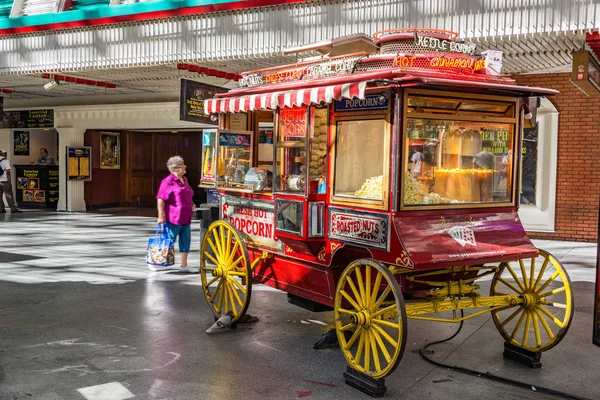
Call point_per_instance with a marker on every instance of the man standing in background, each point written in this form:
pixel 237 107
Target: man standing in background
pixel 5 184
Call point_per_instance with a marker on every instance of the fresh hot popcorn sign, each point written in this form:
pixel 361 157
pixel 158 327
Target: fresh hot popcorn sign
pixel 253 218
pixel 361 228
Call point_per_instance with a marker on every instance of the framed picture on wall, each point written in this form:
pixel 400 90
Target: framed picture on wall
pixel 21 141
pixel 110 150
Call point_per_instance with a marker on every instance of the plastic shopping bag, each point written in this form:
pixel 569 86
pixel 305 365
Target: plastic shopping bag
pixel 161 249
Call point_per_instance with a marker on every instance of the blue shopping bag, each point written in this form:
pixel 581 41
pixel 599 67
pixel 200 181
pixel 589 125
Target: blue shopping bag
pixel 161 249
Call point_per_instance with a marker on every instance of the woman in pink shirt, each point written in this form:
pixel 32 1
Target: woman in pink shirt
pixel 175 207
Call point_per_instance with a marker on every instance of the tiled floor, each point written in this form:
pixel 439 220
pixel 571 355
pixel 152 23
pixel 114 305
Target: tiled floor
pixel 79 311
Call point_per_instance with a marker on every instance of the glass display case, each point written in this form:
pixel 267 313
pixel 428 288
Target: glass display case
pixel 458 150
pixel 227 157
pixel 291 148
pixel 362 162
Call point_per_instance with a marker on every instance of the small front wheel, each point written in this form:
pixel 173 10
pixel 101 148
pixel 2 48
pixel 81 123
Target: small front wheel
pixel 224 262
pixel 370 318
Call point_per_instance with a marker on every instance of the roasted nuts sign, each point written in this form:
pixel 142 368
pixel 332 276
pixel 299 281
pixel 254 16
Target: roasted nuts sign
pixel 360 228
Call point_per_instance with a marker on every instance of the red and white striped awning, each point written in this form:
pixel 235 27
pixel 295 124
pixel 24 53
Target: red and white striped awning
pixel 289 98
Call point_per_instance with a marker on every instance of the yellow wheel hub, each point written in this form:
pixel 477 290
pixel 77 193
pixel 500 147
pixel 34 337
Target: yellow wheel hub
pixel 362 318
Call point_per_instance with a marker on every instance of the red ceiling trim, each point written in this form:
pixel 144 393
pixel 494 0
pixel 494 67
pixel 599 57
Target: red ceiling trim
pixel 593 41
pixel 7 91
pixel 208 71
pixel 177 12
pixel 80 81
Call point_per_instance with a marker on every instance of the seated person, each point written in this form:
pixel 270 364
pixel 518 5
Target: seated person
pixel 44 158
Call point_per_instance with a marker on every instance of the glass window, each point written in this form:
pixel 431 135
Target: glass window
pixel 423 103
pixel 451 161
pixel 361 159
pixel 289 216
pixel 290 151
pixel 235 156
pixel 529 172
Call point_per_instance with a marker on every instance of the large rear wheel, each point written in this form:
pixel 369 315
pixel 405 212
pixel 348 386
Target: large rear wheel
pixel 542 318
pixel 370 319
pixel 225 270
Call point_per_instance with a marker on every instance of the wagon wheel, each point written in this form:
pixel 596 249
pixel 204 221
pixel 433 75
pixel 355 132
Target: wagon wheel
pixel 224 261
pixel 543 317
pixel 370 319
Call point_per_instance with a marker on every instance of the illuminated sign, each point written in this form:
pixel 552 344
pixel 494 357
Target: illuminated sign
pixel 376 102
pixel 445 45
pixel 327 68
pixel 586 73
pixel 292 122
pixel 442 62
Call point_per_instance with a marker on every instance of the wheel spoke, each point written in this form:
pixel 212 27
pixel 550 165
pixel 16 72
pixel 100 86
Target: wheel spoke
pixel 226 297
pixel 346 327
pixel 211 258
pixel 235 293
pixel 220 302
pixel 387 323
pixel 552 317
pixel 216 290
pixel 526 330
pixel 239 285
pixel 544 323
pixel 384 310
pixel 353 338
pixel 228 248
pixel 361 287
pixel 548 282
pixel 367 359
pixel 510 286
pixel 235 263
pixel 212 246
pixel 536 329
pixel 381 298
pixel 367 299
pixel 375 351
pixel 385 335
pixel 381 345
pixel 510 318
pixel 532 273
pixel 232 253
pixel 344 311
pixel 361 345
pixel 553 304
pixel 231 301
pixel 552 292
pixel 213 280
pixel 237 273
pixel 222 237
pixel 375 290
pixel 524 274
pixel 354 290
pixel 352 302
pixel 541 274
pixel 517 326
pixel 218 245
pixel 516 278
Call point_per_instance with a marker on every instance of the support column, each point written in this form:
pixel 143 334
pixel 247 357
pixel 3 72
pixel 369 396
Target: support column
pixel 70 194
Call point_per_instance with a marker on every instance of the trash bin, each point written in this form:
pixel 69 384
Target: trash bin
pixel 207 214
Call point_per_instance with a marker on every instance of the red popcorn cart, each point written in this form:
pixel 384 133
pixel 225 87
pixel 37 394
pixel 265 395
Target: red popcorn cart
pixel 380 181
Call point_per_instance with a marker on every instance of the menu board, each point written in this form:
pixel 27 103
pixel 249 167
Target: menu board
pixel 191 104
pixel 78 163
pixel 28 119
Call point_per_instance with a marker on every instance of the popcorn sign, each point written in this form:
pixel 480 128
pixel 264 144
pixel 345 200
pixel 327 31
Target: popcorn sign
pixel 360 228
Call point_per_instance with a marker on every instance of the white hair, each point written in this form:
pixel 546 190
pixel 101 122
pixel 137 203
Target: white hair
pixel 174 162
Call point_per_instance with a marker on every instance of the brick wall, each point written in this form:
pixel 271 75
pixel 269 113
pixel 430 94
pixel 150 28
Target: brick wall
pixel 578 174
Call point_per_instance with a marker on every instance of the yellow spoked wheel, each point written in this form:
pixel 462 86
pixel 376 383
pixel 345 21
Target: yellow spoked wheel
pixel 370 319
pixel 225 270
pixel 542 318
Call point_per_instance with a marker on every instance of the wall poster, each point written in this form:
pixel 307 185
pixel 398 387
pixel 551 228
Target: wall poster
pixel 110 150
pixel 21 143
pixel 79 160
